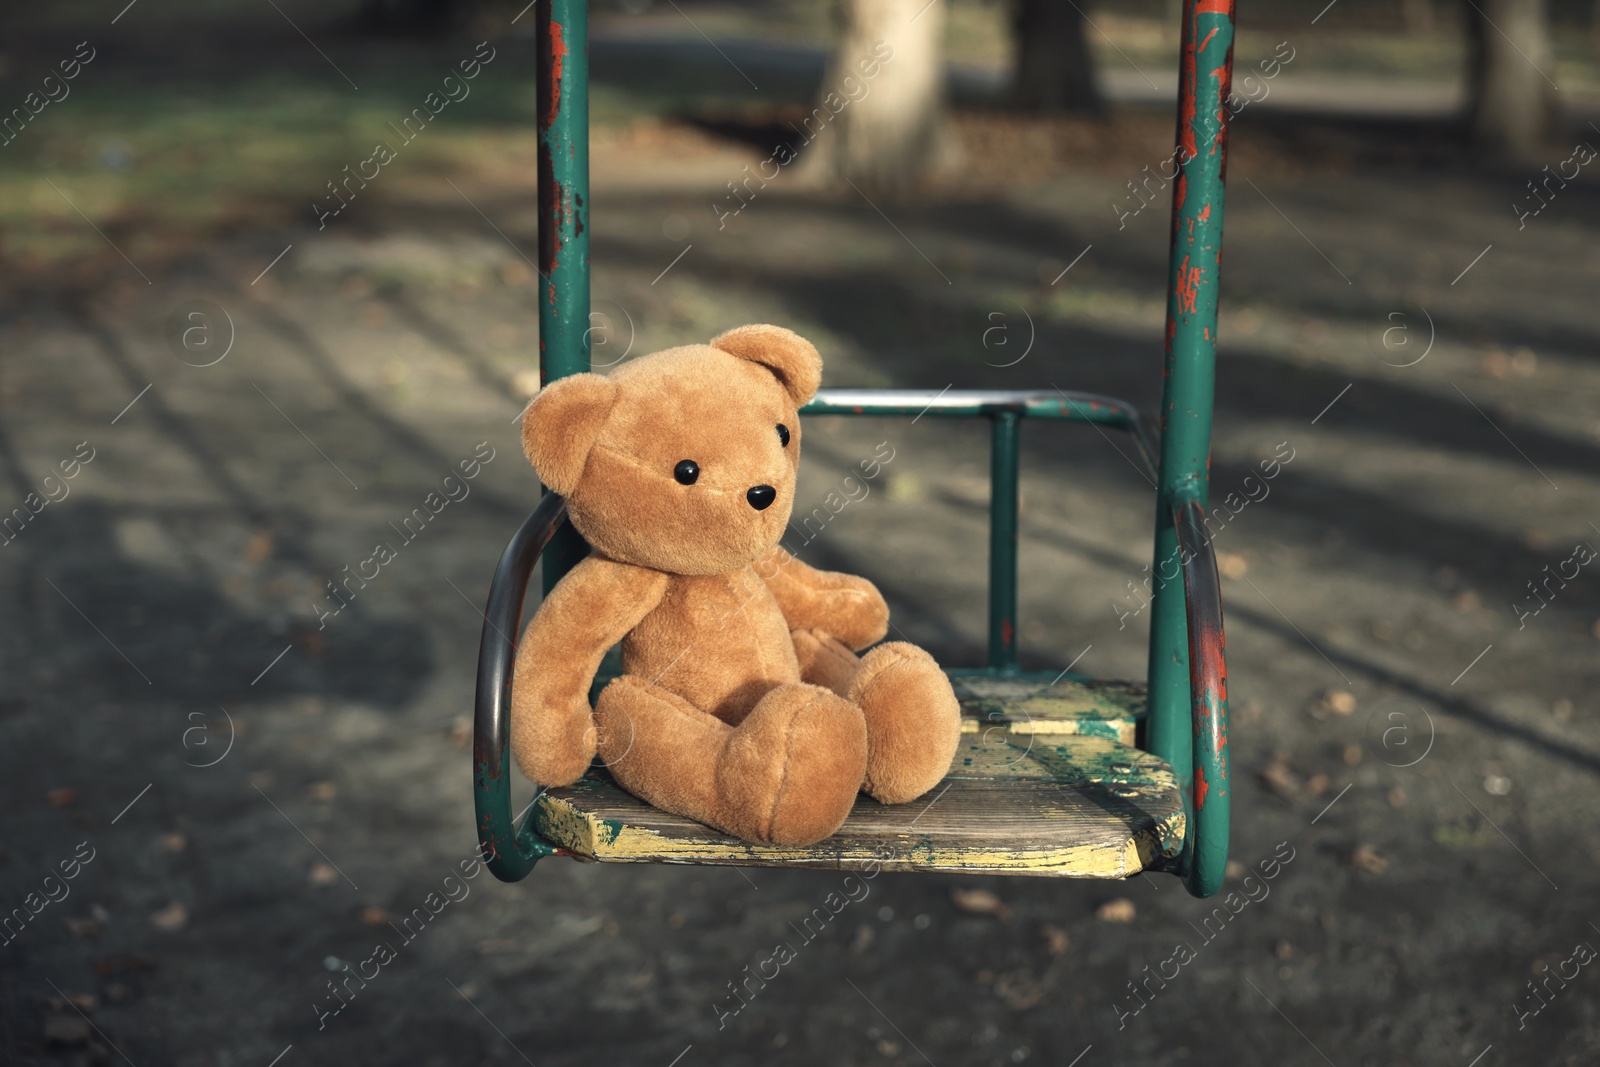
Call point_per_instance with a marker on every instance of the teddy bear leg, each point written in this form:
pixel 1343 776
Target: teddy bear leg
pixel 788 774
pixel 824 660
pixel 913 721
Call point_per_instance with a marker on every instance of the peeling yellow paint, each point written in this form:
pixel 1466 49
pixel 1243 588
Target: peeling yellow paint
pixel 1084 807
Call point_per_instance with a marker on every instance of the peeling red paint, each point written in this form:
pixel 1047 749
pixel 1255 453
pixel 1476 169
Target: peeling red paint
pixel 1200 789
pixel 558 57
pixel 1007 632
pixel 1187 285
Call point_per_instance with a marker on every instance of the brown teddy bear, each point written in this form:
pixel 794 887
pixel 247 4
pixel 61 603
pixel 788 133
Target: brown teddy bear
pixel 742 704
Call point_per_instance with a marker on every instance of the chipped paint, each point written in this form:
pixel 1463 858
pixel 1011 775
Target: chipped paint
pixel 583 820
pixel 558 62
pixel 1187 680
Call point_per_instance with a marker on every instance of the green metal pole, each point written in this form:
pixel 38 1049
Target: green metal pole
pixel 1004 455
pixel 563 106
pixel 1192 282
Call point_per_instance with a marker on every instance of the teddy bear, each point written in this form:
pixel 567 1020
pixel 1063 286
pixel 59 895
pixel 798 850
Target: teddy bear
pixel 743 702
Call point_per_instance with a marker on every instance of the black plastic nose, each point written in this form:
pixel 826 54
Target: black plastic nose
pixel 761 497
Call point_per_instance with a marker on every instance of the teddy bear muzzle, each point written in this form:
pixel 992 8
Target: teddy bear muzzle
pixel 761 496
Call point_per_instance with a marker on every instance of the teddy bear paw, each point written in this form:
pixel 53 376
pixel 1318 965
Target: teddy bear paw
pixel 913 721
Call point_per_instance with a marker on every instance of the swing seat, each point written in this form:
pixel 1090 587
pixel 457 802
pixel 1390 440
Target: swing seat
pixel 1052 776
pixel 1046 781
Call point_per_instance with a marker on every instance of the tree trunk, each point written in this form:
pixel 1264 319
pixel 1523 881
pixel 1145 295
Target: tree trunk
pixel 1511 100
pixel 1054 70
pixel 880 120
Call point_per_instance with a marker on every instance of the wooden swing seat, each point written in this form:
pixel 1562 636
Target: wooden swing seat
pixel 1046 782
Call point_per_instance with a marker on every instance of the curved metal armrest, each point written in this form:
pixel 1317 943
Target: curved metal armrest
pixel 509 851
pixel 1207 851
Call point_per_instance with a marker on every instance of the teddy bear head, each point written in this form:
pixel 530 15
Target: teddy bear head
pixel 683 461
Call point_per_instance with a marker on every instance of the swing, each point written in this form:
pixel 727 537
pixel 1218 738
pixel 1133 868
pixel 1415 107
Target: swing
pixel 1056 774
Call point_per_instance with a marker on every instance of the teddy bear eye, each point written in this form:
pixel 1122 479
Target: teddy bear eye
pixel 687 471
pixel 783 435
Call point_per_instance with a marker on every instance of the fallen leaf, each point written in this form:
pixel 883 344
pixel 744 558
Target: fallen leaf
pixel 66 1030
pixel 372 915
pixel 323 874
pixel 461 731
pixel 1496 785
pixel 323 791
pixel 259 547
pixel 1352 755
pixel 1232 564
pixel 1366 858
pixel 1056 941
pixel 124 964
pixel 174 842
pixel 1397 797
pixel 84 927
pixel 1120 910
pixel 1277 777
pixel 979 902
pixel 1233 869
pixel 172 918
pixel 1020 989
pixel 1283 950
pixel 1317 784
pixel 1339 701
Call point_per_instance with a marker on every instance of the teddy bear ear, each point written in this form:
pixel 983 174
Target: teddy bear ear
pixel 561 426
pixel 785 353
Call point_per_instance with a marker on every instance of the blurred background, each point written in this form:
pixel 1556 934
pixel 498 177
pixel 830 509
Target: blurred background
pixel 227 369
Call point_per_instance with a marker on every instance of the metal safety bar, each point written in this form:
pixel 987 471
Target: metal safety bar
pixel 1005 409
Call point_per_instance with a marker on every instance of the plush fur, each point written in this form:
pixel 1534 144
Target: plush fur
pixel 743 703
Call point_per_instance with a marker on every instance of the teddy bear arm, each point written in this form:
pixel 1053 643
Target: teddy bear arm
pixel 589 610
pixel 846 606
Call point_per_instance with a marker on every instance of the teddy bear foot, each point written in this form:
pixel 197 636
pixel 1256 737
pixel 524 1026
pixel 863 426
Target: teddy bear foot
pixel 788 774
pixel 824 660
pixel 793 767
pixel 913 721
